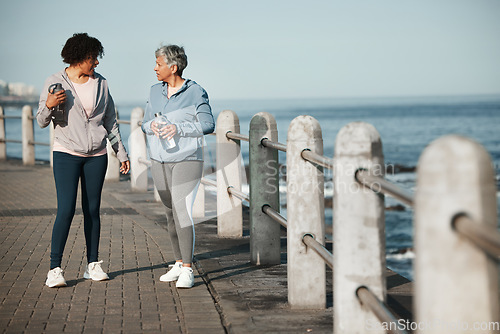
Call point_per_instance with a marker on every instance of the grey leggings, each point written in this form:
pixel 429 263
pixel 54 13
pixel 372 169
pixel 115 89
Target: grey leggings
pixel 177 184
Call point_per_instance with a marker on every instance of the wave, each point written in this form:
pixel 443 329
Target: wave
pixel 400 254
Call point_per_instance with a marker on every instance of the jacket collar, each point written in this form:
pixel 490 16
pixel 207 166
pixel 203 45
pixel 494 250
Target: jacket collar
pixel 65 77
pixel 185 85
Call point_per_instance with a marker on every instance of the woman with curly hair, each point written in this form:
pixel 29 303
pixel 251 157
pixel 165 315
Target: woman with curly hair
pixel 83 116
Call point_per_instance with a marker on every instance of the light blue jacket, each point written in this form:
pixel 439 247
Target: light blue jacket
pixel 190 111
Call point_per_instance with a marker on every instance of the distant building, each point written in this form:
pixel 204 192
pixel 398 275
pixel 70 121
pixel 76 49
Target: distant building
pixel 17 89
pixel 4 88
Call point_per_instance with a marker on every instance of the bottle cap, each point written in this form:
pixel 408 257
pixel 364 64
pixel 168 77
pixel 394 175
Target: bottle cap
pixel 157 114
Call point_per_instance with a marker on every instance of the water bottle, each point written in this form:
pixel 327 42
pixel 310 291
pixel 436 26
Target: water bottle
pixel 161 121
pixel 58 113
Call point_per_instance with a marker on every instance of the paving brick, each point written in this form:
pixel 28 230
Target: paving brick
pixel 135 248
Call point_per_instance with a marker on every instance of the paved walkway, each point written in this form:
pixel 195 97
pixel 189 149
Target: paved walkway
pixel 230 294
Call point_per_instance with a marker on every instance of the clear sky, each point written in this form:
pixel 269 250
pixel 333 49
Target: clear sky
pixel 268 48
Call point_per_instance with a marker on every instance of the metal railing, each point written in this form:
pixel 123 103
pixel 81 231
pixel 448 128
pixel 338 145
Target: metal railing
pixel 236 136
pixel 368 299
pixel 353 205
pixel 275 215
pixel 470 229
pixel 325 254
pixel 317 159
pixel 241 195
pixel 27 135
pixel 271 144
pixel 485 237
pixel 381 185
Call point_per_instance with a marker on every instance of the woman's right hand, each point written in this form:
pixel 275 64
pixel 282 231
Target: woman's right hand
pixel 155 129
pixel 53 100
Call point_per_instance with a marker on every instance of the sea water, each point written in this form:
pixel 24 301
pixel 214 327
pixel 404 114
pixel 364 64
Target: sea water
pixel 406 127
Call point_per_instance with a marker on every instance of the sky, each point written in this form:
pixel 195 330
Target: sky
pixel 267 49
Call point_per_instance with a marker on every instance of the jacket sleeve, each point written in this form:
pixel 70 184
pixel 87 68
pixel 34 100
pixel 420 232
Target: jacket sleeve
pixel 44 114
pixel 204 123
pixel 113 131
pixel 147 119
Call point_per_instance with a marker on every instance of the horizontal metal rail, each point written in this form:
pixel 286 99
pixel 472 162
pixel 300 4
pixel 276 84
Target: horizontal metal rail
pixel 209 182
pixel 237 193
pixel 483 236
pixel 381 185
pixel 11 141
pixel 318 159
pixel 144 161
pixel 10 117
pixel 275 215
pixel 122 121
pixel 377 307
pixel 38 143
pixel 325 254
pixel 272 144
pixel 237 136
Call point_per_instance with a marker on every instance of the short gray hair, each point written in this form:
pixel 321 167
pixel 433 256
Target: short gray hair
pixel 173 55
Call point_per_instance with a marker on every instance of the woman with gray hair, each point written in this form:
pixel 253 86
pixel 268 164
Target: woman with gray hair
pixel 177 167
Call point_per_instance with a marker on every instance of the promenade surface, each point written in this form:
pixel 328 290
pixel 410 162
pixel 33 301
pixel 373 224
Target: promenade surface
pixel 230 294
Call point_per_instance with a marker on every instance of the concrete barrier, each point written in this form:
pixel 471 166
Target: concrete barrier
pixel 306 215
pixel 229 208
pixel 28 136
pixel 3 144
pixel 138 152
pixel 358 225
pixel 265 244
pixel 455 281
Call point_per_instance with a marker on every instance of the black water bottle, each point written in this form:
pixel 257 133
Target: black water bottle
pixel 58 113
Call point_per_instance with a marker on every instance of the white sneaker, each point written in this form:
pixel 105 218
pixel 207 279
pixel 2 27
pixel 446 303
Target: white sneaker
pixel 186 278
pixel 95 272
pixel 173 273
pixel 55 278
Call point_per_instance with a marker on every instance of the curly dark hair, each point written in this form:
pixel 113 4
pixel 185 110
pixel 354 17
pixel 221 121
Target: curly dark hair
pixel 80 47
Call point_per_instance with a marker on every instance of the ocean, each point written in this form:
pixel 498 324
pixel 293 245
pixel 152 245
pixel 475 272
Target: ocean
pixel 406 127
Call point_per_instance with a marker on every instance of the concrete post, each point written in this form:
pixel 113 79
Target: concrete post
pixel 455 282
pixel 265 242
pixel 3 144
pixel 229 208
pixel 156 194
pixel 358 225
pixel 113 171
pixel 28 136
pixel 306 215
pixel 137 146
pixel 199 200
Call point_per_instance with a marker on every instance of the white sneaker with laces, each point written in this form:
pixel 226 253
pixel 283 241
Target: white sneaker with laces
pixel 173 273
pixel 95 272
pixel 186 278
pixel 55 278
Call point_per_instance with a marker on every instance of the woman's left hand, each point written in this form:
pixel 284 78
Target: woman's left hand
pixel 125 167
pixel 168 131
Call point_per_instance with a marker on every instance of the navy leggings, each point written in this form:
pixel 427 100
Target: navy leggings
pixel 68 171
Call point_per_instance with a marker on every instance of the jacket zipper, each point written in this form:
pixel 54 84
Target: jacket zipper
pixel 87 118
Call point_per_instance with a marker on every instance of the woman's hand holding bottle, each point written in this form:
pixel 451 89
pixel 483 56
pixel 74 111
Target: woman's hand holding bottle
pixel 164 130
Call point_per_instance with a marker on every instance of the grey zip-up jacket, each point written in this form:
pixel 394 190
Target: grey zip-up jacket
pixel 79 132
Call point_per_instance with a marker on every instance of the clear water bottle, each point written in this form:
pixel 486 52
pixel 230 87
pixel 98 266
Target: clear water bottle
pixel 161 121
pixel 58 113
